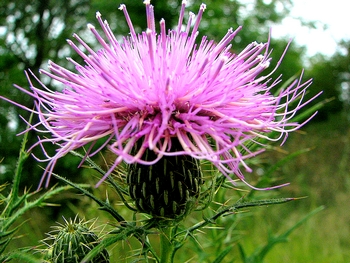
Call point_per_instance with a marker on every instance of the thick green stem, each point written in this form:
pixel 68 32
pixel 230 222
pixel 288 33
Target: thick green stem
pixel 167 249
pixel 23 155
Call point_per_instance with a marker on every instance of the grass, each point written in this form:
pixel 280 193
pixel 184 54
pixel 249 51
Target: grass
pixel 322 174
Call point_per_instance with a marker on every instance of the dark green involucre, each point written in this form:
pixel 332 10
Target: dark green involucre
pixel 166 188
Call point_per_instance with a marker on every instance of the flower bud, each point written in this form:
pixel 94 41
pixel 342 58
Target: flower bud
pixel 72 241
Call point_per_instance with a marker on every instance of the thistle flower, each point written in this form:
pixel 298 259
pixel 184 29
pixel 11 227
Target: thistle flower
pixel 152 91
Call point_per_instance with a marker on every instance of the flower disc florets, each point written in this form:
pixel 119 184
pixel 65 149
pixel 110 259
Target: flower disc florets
pixel 154 87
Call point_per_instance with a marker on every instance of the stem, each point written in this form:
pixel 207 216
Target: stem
pixel 14 200
pixel 167 249
pixel 23 155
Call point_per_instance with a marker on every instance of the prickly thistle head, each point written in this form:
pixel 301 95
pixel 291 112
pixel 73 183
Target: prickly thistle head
pixel 72 241
pixel 167 188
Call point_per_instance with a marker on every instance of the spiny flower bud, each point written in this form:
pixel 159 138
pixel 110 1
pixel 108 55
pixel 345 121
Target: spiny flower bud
pixel 72 241
pixel 165 188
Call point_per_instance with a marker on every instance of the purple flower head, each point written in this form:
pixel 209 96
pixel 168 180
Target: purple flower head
pixel 150 89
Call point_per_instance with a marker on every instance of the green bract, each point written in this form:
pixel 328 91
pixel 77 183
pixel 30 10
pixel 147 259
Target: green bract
pixel 72 242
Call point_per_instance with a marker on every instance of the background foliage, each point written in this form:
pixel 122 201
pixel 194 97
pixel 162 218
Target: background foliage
pixel 33 32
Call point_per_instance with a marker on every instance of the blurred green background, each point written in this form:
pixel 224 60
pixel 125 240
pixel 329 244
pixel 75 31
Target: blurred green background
pixel 33 32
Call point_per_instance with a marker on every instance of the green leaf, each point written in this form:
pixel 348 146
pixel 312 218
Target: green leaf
pixel 222 255
pixel 22 257
pixel 259 254
pixel 103 205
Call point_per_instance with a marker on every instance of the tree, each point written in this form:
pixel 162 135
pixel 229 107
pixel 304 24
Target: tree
pixel 33 33
pixel 331 76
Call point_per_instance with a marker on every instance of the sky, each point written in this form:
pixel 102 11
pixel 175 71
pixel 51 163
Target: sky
pixel 331 13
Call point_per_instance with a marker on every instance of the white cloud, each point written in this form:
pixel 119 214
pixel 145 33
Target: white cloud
pixel 333 24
